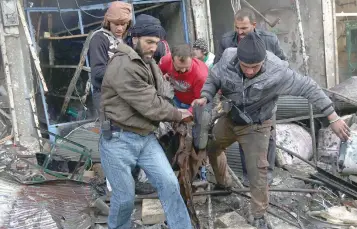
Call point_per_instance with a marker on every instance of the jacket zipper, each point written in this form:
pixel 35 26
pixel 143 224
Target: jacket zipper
pixel 243 94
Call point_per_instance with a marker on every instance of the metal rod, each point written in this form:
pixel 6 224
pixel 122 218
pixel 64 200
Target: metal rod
pixel 306 70
pixel 308 180
pixel 295 155
pixel 298 118
pixel 234 177
pixel 93 7
pixel 184 20
pixel 100 22
pixel 64 67
pixel 237 191
pixel 31 43
pixel 65 37
pixel 283 218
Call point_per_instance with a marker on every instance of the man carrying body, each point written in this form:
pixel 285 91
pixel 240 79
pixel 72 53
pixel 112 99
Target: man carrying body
pixel 133 103
pixel 186 73
pixel 200 50
pixel 244 23
pixel 253 78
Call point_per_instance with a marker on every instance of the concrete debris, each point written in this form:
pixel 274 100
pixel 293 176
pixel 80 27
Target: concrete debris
pixel 328 143
pixel 152 212
pixel 230 220
pixel 200 200
pixel 296 139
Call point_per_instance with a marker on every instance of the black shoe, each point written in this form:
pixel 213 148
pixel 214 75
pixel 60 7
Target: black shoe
pixel 260 223
pixel 144 188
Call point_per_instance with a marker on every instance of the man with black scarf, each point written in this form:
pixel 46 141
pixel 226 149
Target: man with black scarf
pixel 133 102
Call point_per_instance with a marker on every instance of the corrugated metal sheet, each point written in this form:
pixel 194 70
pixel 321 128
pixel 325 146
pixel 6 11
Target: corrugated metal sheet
pixel 86 135
pixel 55 204
pixel 234 159
pixel 292 106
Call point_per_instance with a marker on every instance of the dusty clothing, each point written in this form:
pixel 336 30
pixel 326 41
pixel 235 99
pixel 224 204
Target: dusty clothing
pixel 231 40
pixel 226 133
pixel 101 48
pixel 275 79
pixel 135 99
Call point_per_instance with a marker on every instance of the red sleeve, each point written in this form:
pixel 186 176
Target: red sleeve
pixel 164 63
pixel 200 80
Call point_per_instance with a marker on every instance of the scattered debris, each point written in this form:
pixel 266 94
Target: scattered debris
pixel 152 212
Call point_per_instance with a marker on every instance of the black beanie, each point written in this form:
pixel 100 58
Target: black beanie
pixel 146 25
pixel 251 49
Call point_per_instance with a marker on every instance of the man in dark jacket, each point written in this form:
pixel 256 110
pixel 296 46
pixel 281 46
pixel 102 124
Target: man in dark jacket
pixel 104 41
pixel 253 79
pixel 133 101
pixel 244 23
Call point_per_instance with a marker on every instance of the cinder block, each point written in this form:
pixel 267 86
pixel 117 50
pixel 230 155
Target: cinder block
pixel 230 220
pixel 152 212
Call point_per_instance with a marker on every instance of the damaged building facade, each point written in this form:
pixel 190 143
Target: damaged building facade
pixel 48 123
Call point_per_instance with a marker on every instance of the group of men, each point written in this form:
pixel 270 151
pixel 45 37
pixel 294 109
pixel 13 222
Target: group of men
pixel 250 72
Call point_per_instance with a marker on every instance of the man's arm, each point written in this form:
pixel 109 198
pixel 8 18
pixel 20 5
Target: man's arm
pixel 98 54
pixel 212 84
pixel 295 84
pixel 278 50
pixel 139 94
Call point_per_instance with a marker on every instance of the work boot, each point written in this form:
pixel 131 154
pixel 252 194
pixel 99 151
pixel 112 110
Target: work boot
pixel 260 223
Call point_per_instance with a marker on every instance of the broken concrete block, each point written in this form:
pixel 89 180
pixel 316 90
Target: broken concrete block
pixel 230 220
pixel 152 212
pixel 243 226
pixel 200 200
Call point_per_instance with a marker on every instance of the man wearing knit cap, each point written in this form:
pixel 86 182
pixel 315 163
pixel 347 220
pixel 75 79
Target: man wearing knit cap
pixel 117 21
pixel 244 23
pixel 251 79
pixel 133 102
pixel 200 51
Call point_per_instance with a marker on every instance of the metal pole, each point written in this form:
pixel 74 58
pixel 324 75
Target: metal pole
pixel 305 57
pixel 184 20
pixel 296 155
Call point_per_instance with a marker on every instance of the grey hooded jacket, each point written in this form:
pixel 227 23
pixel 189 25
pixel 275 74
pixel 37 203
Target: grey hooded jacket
pixel 274 79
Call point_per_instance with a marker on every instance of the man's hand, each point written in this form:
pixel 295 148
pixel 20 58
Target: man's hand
pixel 200 102
pixel 166 76
pixel 186 115
pixel 339 127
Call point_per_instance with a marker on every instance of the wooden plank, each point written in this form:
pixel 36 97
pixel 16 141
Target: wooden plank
pixel 31 45
pixel 65 37
pixel 76 75
pixel 346 14
pixel 329 43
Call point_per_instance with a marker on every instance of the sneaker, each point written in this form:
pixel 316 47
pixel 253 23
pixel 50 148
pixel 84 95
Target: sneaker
pixel 260 223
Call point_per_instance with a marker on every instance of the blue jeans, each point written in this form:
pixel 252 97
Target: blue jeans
pixel 179 104
pixel 119 156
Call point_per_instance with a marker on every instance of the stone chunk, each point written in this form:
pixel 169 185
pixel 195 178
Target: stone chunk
pixel 230 220
pixel 152 212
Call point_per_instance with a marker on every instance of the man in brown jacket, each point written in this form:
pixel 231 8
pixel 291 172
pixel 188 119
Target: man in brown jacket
pixel 133 102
